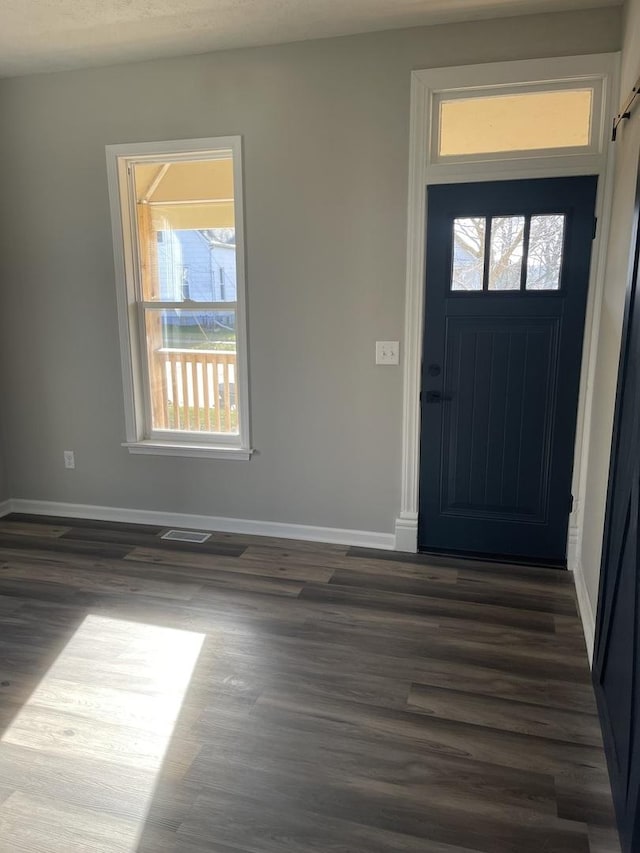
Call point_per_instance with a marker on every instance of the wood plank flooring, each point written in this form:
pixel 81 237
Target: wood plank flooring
pixel 254 695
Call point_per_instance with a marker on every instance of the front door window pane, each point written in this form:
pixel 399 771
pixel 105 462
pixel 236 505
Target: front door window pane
pixel 507 248
pixel 546 244
pixel 468 253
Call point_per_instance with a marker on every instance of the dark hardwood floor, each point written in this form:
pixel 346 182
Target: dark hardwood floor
pixel 253 695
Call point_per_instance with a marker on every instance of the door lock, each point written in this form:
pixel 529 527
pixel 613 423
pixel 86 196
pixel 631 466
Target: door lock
pixel 437 397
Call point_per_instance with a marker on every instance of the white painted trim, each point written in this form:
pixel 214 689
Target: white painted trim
pixel 586 610
pixel 167 448
pixel 5 508
pixel 573 543
pixel 129 299
pixel 221 524
pixel 204 148
pixel 414 305
pixel 590 345
pixel 407 533
pixel 424 85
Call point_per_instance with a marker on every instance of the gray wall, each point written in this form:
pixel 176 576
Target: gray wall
pixel 326 134
pixel 4 484
pixel 617 276
pixel 5 492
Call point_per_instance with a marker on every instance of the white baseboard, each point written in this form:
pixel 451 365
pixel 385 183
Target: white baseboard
pixel 586 610
pixel 220 524
pixel 5 508
pixel 406 538
pixel 573 542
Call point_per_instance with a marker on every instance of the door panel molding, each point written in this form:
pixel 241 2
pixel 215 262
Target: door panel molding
pixel 500 326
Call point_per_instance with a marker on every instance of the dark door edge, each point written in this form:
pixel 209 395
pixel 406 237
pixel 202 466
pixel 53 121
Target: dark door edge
pixel 510 559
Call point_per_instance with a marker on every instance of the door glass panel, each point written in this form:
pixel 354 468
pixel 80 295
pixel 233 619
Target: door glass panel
pixel 546 244
pixel 507 245
pixel 468 253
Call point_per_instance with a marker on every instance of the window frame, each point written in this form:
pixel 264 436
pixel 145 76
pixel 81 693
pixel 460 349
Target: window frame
pixel 594 83
pixel 140 437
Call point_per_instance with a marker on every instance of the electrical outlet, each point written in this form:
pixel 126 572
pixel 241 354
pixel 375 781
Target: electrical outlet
pixel 69 459
pixel 387 352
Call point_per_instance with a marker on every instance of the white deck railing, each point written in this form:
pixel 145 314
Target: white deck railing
pixel 194 390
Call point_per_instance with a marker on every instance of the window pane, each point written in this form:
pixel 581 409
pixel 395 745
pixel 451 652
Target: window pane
pixel 546 244
pixel 507 242
pixel 186 230
pixel 524 122
pixel 192 370
pixel 468 253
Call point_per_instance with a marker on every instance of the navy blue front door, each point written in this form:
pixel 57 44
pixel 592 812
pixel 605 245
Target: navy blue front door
pixel 506 287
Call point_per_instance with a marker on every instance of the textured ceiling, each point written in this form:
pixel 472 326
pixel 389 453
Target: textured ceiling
pixel 43 35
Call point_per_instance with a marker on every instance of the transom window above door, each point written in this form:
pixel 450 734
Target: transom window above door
pixel 508 253
pixel 515 120
pixel 526 121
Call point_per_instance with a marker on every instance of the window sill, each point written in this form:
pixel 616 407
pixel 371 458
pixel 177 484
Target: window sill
pixel 200 451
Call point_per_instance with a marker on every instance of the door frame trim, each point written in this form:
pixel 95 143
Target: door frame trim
pixel 422 172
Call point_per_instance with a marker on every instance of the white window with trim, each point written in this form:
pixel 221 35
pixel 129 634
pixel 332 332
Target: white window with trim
pixel 179 249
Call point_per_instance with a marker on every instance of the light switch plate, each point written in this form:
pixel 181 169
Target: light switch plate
pixel 387 352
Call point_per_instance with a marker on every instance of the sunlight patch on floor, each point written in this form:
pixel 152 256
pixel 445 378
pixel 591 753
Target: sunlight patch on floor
pixel 80 761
